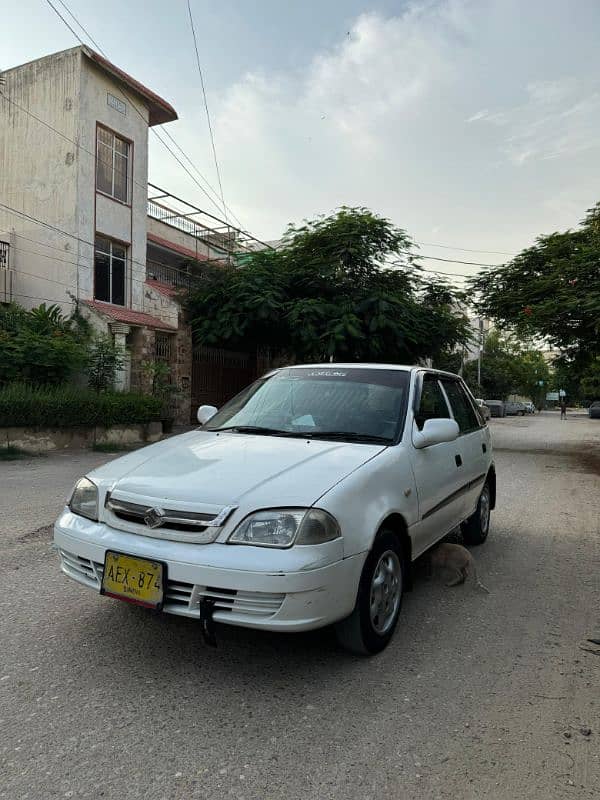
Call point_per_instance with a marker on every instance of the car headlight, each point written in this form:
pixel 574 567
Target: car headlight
pixel 84 500
pixel 283 527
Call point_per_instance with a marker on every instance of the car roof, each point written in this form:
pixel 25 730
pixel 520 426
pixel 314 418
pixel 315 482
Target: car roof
pixel 367 365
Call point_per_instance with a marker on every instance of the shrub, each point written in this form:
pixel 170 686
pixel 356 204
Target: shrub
pixel 40 346
pixel 67 406
pixel 104 359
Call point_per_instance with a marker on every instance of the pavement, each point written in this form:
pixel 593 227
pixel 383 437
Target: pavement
pixel 478 696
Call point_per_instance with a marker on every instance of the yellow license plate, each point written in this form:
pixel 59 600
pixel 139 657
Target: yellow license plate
pixel 136 580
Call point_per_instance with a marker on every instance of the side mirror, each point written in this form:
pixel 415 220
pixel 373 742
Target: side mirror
pixel 436 431
pixel 205 413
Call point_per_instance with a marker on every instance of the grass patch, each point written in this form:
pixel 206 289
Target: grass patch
pixel 107 447
pixel 11 453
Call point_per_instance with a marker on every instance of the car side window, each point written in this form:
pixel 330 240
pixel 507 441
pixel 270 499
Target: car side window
pixel 462 409
pixel 433 404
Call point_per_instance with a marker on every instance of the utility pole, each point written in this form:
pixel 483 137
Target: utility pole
pixel 479 352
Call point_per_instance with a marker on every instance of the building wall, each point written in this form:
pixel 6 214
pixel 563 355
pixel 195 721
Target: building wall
pixel 50 178
pixel 98 213
pixel 38 176
pixel 180 362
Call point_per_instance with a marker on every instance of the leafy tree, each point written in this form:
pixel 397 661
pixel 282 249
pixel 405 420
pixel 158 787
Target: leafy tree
pixel 590 381
pixel 345 286
pixel 550 290
pixel 507 369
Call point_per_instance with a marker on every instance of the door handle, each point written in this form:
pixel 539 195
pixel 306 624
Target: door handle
pixel 458 460
pixel 484 447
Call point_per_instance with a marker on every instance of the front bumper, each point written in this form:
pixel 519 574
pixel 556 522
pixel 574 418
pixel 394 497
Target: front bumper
pixel 309 588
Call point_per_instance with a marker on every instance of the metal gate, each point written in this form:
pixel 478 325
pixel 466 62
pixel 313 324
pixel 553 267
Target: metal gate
pixel 218 375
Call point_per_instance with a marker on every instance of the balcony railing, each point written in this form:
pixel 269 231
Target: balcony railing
pixel 177 277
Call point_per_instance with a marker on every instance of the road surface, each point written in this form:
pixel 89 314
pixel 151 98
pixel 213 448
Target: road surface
pixel 478 696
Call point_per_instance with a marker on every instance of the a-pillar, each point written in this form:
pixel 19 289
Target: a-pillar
pixel 122 378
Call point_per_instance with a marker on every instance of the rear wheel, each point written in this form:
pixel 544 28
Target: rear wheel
pixel 475 530
pixel 372 623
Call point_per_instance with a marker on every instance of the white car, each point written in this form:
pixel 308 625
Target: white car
pixel 303 502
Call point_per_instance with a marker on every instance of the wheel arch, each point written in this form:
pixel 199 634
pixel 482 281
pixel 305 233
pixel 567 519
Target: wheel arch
pixel 397 524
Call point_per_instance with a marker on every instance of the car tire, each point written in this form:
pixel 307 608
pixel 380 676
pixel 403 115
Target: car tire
pixel 475 529
pixel 371 625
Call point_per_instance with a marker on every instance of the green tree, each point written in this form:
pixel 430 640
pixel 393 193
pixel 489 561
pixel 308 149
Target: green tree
pixel 550 290
pixel 508 369
pixel 345 286
pixel 590 381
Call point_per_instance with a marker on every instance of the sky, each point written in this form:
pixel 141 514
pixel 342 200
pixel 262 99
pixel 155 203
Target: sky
pixel 472 124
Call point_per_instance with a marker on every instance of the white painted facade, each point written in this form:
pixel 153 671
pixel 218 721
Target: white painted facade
pixel 48 129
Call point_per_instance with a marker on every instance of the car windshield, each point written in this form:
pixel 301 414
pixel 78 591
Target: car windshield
pixel 346 403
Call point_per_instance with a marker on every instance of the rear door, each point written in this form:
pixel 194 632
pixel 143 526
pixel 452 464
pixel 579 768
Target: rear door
pixel 437 469
pixel 473 442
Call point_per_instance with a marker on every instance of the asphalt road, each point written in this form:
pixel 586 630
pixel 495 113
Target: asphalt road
pixel 478 696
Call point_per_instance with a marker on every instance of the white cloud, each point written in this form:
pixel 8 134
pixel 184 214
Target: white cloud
pixel 453 115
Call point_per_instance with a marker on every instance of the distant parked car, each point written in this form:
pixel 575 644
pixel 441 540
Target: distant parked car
pixel 513 409
pixel 530 408
pixel 485 412
pixel 594 410
pixel 496 407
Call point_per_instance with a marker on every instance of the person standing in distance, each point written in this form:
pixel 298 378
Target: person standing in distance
pixel 563 408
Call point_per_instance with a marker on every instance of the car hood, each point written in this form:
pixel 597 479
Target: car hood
pixel 204 470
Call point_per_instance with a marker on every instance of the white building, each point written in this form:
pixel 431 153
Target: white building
pixel 74 156
pixel 79 222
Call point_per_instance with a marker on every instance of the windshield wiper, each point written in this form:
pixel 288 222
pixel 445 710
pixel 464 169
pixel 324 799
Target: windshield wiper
pixel 249 429
pixel 349 436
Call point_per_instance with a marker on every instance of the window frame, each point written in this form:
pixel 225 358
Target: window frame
pixel 422 377
pixel 478 418
pixel 111 257
pixel 114 155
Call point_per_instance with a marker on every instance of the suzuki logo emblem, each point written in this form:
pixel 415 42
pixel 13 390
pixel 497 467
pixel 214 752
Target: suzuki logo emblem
pixel 154 517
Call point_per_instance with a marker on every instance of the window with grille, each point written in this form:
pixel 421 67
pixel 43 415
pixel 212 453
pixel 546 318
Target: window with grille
pixel 112 165
pixel 162 344
pixel 110 270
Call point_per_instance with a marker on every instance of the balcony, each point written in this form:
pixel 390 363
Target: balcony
pixel 218 239
pixel 179 277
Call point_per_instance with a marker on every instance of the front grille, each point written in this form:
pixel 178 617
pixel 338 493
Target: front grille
pixel 176 520
pixel 184 598
pixel 193 527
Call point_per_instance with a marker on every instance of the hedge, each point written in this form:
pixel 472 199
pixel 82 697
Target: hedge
pixel 67 406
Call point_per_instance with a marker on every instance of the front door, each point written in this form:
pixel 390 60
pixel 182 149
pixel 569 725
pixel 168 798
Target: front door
pixel 439 472
pixel 472 441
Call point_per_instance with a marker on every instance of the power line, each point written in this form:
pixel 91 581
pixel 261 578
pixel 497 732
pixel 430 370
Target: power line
pixel 457 261
pixel 194 167
pixel 466 249
pixel 212 138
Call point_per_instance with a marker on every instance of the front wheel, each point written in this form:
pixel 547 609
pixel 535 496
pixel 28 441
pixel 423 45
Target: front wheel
pixel 372 623
pixel 475 530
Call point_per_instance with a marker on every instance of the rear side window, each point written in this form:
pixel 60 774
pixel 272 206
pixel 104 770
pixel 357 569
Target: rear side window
pixel 463 411
pixel 433 403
